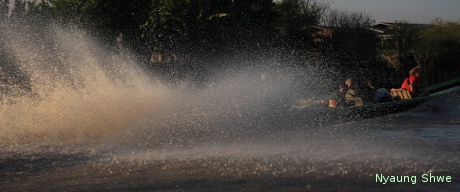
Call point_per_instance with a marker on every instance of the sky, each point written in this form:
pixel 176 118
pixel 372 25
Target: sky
pixel 411 11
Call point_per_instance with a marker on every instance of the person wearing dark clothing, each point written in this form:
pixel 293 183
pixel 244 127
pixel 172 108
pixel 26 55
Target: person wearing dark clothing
pixel 368 91
pixel 382 95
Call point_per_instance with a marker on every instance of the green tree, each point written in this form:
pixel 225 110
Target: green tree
pixel 438 47
pixel 106 18
pixel 296 18
pixel 401 46
pixel 167 23
pixel 208 25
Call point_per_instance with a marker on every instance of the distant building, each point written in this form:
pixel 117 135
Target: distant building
pixel 351 45
pixel 364 44
pixel 392 43
pixel 386 30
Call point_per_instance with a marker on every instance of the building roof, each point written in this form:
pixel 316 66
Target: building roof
pixel 384 28
pixel 342 29
pixel 388 24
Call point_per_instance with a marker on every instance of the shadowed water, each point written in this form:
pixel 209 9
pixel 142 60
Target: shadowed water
pixel 86 118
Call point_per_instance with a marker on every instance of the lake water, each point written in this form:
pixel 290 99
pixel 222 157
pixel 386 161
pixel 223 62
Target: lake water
pixel 344 157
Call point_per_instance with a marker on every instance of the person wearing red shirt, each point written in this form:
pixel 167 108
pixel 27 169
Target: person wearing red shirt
pixel 412 83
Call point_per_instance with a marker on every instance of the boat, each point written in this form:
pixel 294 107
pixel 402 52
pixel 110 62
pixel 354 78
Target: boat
pixel 323 112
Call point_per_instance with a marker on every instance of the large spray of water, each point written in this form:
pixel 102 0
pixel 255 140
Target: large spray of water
pixel 74 89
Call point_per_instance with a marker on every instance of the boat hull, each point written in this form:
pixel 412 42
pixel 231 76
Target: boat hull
pixel 323 115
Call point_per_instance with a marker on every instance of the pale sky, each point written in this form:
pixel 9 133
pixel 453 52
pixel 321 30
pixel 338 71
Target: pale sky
pixel 412 11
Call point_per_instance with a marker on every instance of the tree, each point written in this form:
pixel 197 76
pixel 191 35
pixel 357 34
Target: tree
pixel 347 19
pixel 438 47
pixel 208 25
pixel 349 43
pixel 167 23
pixel 296 17
pixel 401 46
pixel 106 18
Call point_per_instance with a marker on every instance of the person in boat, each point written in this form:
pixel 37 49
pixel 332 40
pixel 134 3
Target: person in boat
pixel 338 95
pixel 352 92
pixel 368 91
pixel 412 83
pixel 382 95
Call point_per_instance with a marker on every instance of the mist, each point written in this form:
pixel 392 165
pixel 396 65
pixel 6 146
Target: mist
pixel 67 87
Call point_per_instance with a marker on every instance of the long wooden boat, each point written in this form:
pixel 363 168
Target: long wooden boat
pixel 319 112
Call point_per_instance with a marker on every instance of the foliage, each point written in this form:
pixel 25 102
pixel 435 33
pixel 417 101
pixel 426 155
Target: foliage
pixel 401 46
pixel 296 17
pixel 347 19
pixel 434 47
pixel 166 22
pixel 193 26
pixel 438 47
pixel 105 18
pixel 208 24
pixel 193 30
pixel 347 41
pixel 105 14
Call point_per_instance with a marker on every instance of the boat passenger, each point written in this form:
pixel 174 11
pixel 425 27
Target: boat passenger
pixel 382 95
pixel 341 93
pixel 412 83
pixel 368 91
pixel 338 95
pixel 352 94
